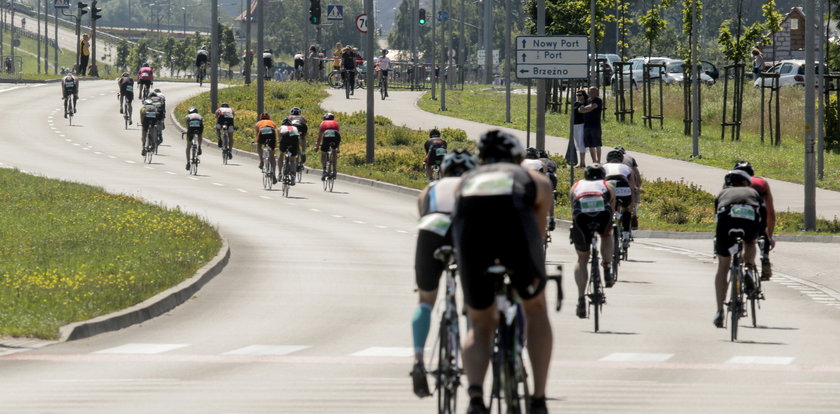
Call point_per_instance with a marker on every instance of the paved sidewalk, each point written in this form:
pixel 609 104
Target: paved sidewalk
pixel 402 108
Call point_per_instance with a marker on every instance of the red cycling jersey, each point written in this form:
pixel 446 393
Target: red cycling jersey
pixel 760 185
pixel 329 124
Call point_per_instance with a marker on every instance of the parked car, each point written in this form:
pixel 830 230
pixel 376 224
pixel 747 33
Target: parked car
pixel 791 72
pixel 710 69
pixel 634 75
pixel 674 74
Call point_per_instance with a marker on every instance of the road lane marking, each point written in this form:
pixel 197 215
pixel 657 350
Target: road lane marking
pixel 130 161
pixel 170 172
pixel 148 168
pixel 241 190
pixel 267 350
pixel 338 216
pixel 384 351
pixel 111 156
pixel 379 226
pixel 97 153
pixel 315 210
pixel 402 231
pixel 76 144
pixel 219 184
pixel 141 348
pixel 192 178
pixel 265 197
pixel 636 357
pixel 358 222
pixel 765 360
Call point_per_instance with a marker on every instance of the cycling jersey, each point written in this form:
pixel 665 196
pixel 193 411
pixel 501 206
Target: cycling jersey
pixel 329 124
pixel 493 220
pixel 301 126
pixel 225 116
pixel 195 125
pixel 148 115
pixel 434 231
pixel 266 133
pixel 289 139
pixel 535 165
pixel 760 185
pixel 202 57
pixel 126 86
pixel 348 60
pixel 591 211
pixel 70 85
pixel 435 150
pixel 158 103
pixel 145 74
pixel 618 175
pixel 737 208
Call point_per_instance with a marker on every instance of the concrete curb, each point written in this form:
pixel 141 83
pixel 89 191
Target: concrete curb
pixel 29 81
pixel 155 306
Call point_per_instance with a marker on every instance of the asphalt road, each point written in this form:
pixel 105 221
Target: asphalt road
pixel 312 313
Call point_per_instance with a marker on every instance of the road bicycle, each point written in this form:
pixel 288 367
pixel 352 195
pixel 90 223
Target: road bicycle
pixel 383 85
pixel 448 372
pixel 227 151
pixel 329 172
pixel 144 91
pixel 69 108
pixel 126 107
pixel 300 169
pixel 201 74
pixel 195 152
pixel 740 279
pixel 288 174
pixel 618 244
pixel 756 295
pixel 595 290
pixel 348 86
pixel 267 173
pixel 151 145
pixel 510 379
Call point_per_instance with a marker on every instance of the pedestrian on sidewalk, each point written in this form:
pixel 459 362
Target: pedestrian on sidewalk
pixel 84 51
pixel 758 63
pixel 592 124
pixel 577 131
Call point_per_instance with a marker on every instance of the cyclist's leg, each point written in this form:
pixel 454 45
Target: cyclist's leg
pixel 281 151
pixel 65 106
pixel 190 137
pixel 539 340
pixel 427 271
pixel 581 237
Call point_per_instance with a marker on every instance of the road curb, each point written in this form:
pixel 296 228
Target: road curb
pixel 155 306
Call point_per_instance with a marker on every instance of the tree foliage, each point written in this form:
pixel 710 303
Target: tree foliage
pixel 686 42
pixel 653 23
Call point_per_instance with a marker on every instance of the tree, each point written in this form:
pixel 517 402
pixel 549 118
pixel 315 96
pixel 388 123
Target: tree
pixel 227 50
pixel 169 54
pixel 653 23
pixel 684 48
pixel 123 51
pixel 772 22
pixel 139 54
pixel 624 22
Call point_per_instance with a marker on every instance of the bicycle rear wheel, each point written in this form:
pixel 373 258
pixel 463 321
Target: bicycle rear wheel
pixel 734 307
pixel 754 298
pixel 447 376
pixel 616 258
pixel 597 295
pixel 334 80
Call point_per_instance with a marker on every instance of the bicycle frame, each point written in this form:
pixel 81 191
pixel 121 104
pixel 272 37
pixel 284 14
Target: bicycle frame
pixel 510 379
pixel 736 305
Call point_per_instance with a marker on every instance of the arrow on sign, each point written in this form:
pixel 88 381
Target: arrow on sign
pixel 523 57
pixel 523 43
pixel 523 71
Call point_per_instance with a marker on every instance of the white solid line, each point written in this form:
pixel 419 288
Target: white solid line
pixel 241 190
pixel 382 351
pixel 267 350
pixel 138 348
pixel 766 360
pixel 636 357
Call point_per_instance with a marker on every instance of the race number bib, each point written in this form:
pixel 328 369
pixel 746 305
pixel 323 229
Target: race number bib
pixel 129 88
pixel 151 114
pixel 266 130
pixel 489 184
pixel 436 223
pixel 592 204
pixel 330 133
pixel 69 85
pixel 229 115
pixel 622 191
pixel 742 211
pixel 195 123
pixel 440 151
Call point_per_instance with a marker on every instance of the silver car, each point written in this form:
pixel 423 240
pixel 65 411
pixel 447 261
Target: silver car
pixel 791 72
pixel 634 74
pixel 674 74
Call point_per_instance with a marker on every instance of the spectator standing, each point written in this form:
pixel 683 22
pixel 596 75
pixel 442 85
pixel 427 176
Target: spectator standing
pixel 577 131
pixel 758 63
pixel 84 52
pixel 592 124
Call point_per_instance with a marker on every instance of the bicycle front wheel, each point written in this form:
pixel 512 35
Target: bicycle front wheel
pixel 734 307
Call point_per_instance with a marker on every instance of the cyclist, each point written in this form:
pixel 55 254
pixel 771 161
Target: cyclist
pixel 70 86
pixel 266 132
pixel 436 203
pixel 201 59
pixel 516 201
pixel 763 187
pixel 162 100
pixel 145 76
pixel 289 140
pixel 629 161
pixel 435 149
pixel 621 177
pixel 348 66
pixel 384 66
pixel 328 136
pixel 593 202
pixel 148 119
pixel 737 206
pixel 268 63
pixel 299 121
pixel 339 48
pixel 533 162
pixel 195 127
pixel 224 119
pixel 300 61
pixel 158 102
pixel 126 84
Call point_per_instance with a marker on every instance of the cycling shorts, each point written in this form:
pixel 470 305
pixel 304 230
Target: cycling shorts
pixel 270 140
pixel 581 232
pixel 224 121
pixel 147 82
pixel 193 132
pixel 328 142
pixel 723 240
pixel 69 91
pixel 148 123
pixel 268 62
pixel 128 95
pixel 290 143
pixel 384 73
pixel 427 269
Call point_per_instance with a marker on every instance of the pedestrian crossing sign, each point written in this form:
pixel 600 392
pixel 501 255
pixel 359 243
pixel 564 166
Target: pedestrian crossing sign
pixel 335 12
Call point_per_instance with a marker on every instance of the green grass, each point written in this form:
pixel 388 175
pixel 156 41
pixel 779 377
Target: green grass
pixel 28 50
pixel 785 162
pixel 71 252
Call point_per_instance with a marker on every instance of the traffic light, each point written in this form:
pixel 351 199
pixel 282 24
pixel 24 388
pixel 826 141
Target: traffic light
pixel 315 11
pixel 422 17
pixel 95 10
pixel 82 7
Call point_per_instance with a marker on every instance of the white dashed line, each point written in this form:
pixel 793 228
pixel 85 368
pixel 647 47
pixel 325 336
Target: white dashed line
pixel 97 153
pixel 315 210
pixel 148 168
pixel 338 216
pixel 130 161
pixel 193 178
pixel 402 231
pixel 86 149
pixel 170 172
pixel 379 226
pixel 76 144
pixel 219 184
pixel 68 139
pixel 265 197
pixel 111 157
pixel 241 190
pixel 358 222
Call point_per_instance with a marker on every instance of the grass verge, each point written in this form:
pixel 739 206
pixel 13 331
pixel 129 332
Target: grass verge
pixel 71 252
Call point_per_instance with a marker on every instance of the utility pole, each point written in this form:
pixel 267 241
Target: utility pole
pixel 248 53
pixel 694 44
pixel 46 36
pixel 462 50
pixel 38 24
pixel 435 55
pixel 369 80
pixel 508 23
pixel 821 98
pixel 415 29
pixel 592 48
pixel 488 41
pixel 214 54
pixel 260 66
pixel 55 45
pixel 94 16
pixel 540 129
pixel 443 57
pixel 810 179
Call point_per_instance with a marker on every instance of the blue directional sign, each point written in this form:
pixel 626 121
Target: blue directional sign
pixel 442 16
pixel 552 57
pixel 335 12
pixel 62 4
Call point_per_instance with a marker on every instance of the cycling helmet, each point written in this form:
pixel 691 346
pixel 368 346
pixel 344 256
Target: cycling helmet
pixel 157 90
pixel 225 105
pixel 543 154
pixel 615 156
pixel 434 133
pixel 203 47
pixel 295 111
pixel 125 74
pixel 153 95
pixel 286 121
pixel 736 178
pixel 594 172
pixel 192 110
pixel 265 115
pixel 531 153
pixel 744 166
pixel 329 116
pixel 499 146
pixel 621 149
pixel 148 101
pixel 384 51
pixel 457 162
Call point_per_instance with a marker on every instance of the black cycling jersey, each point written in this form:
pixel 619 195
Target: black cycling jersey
pixel 737 208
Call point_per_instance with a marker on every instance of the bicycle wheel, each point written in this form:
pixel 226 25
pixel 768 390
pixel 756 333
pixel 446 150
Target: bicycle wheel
pixel 334 80
pixel 347 87
pixel 510 376
pixel 597 296
pixel 382 90
pixel 616 257
pixel 446 375
pixel 754 300
pixel 734 306
pixel 149 148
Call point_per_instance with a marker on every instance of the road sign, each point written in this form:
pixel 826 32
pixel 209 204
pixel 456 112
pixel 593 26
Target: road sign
pixel 361 23
pixel 442 16
pixel 335 12
pixel 480 56
pixel 552 57
pixel 62 4
pixel 452 53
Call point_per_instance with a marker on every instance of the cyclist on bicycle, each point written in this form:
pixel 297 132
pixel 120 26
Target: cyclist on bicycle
pixel 126 84
pixel 268 63
pixel 436 203
pixel 763 187
pixel 737 206
pixel 328 136
pixel 145 76
pixel 289 140
pixel 593 202
pixel 384 66
pixel 266 132
pixel 161 114
pixel 70 86
pixel 348 66
pixel 435 149
pixel 621 177
pixel 224 119
pixel 201 59
pixel 547 165
pixel 195 127
pixel 148 119
pixel 499 217
pixel 532 162
pixel 629 161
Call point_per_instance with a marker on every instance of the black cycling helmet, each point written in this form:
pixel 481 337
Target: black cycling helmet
pixel 265 115
pixel 286 121
pixel 457 162
pixel 225 105
pixel 434 133
pixel 157 90
pixel 499 146
pixel 192 110
pixel 329 116
pixel 125 74
pixel 384 51
pixel 620 148
pixel 736 178
pixel 615 156
pixel 543 153
pixel 294 111
pixel 532 153
pixel 744 166
pixel 594 172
